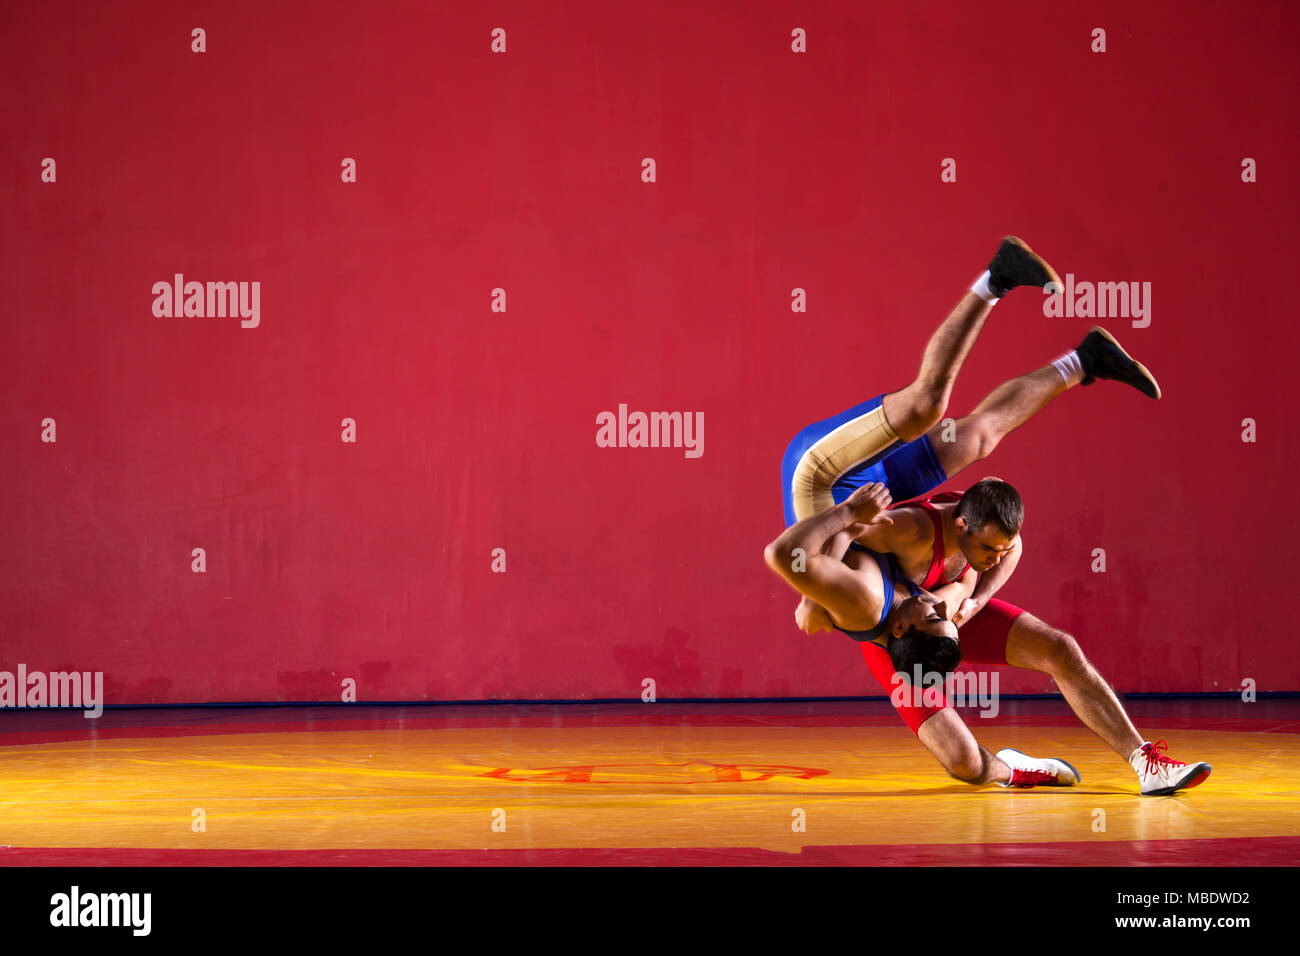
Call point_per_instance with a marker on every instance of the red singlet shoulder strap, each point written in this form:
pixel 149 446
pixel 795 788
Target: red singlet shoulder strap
pixel 934 577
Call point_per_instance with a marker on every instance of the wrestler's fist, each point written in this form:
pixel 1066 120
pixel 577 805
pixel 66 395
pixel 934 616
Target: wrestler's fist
pixel 810 617
pixel 869 502
pixel 969 608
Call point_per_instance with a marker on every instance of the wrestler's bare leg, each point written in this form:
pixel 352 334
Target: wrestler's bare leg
pixel 1004 410
pixel 1013 403
pixel 915 409
pixel 946 736
pixel 1036 645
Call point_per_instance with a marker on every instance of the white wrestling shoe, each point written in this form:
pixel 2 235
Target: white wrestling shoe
pixel 1034 772
pixel 1160 774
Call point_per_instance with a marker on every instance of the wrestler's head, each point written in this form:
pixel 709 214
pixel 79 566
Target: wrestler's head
pixel 922 634
pixel 988 520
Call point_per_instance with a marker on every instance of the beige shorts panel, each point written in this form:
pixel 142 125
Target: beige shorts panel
pixel 854 442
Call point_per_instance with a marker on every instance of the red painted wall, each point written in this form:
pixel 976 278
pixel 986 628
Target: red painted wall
pixel 476 429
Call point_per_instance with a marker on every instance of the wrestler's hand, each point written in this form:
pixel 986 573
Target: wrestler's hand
pixel 869 502
pixel 810 617
pixel 969 608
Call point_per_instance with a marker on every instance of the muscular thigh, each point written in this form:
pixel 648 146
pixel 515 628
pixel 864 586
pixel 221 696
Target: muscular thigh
pixel 1032 643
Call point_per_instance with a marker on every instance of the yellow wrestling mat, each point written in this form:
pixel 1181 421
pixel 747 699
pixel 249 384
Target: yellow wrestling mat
pixel 615 786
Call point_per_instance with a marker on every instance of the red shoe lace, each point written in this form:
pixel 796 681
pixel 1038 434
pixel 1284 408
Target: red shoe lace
pixel 1031 778
pixel 1156 757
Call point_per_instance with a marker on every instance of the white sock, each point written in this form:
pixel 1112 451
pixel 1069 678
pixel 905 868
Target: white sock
pixel 1070 367
pixel 981 289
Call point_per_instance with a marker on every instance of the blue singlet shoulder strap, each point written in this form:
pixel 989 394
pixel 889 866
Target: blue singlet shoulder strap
pixel 889 571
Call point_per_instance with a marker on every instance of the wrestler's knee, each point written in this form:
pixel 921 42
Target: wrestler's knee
pixel 953 745
pixel 962 760
pixel 1062 653
pixel 917 419
pixel 979 434
pixel 915 410
pixel 968 769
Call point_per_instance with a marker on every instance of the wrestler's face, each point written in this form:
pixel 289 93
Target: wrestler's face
pixel 927 614
pixel 984 547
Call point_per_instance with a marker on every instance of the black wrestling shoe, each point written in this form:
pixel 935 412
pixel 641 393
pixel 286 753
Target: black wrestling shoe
pixel 1102 357
pixel 1016 264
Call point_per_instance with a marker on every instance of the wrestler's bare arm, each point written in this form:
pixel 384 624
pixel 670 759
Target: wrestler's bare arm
pixel 990 583
pixel 796 555
pixel 905 533
pixel 951 595
pixel 955 593
pixel 809 616
pixel 897 538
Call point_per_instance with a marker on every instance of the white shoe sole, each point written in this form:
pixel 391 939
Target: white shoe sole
pixel 1197 774
pixel 1078 777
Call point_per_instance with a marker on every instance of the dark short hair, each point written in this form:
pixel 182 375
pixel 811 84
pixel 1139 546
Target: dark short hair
pixel 992 501
pixel 935 653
